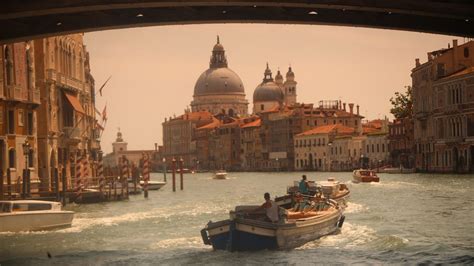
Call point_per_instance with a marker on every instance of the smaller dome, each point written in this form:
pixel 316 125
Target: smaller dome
pixel 268 92
pixel 218 47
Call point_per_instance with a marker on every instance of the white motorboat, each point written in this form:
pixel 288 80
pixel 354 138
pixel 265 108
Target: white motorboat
pixel 221 174
pixel 153 185
pixel 32 215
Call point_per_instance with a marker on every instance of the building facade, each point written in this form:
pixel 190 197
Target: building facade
pixel 443 105
pixel 19 101
pixel 67 127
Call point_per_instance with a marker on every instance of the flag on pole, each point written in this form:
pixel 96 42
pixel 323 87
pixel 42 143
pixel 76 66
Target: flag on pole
pixel 103 85
pixel 104 113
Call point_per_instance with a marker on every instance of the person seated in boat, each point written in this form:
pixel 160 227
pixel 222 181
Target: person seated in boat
pixel 270 207
pixel 300 204
pixel 303 185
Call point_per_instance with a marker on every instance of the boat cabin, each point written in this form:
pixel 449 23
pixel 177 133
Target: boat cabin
pixel 28 205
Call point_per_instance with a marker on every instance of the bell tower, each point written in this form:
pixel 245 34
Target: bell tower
pixel 289 87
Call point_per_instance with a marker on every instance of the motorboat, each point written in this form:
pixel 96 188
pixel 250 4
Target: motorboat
pixel 221 174
pixel 397 170
pixel 250 232
pixel 364 175
pixel 32 215
pixel 153 185
pixel 329 189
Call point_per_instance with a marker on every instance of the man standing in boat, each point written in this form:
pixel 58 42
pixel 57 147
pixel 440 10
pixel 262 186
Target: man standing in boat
pixel 303 186
pixel 270 207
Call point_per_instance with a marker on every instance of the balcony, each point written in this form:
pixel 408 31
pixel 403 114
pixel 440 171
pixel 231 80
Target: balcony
pixel 64 81
pixel 72 133
pixel 16 94
pixel 34 96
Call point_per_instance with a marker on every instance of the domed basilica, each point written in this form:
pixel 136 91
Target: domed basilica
pixel 219 89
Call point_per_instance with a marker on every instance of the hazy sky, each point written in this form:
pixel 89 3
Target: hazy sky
pixel 154 69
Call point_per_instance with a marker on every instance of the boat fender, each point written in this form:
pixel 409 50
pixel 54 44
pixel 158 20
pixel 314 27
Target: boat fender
pixel 205 237
pixel 341 221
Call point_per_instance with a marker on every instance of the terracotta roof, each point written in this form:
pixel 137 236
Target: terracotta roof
pixel 256 123
pixel 215 123
pixel 366 130
pixel 460 73
pixel 201 115
pixel 338 128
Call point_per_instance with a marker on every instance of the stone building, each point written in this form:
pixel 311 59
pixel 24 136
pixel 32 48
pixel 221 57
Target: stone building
pixel 219 89
pixel 401 143
pixel 443 106
pixel 120 150
pixel 67 127
pixel 179 140
pixel 251 155
pixel 19 101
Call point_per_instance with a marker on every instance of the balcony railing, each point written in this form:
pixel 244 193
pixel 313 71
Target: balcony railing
pixel 16 94
pixel 65 81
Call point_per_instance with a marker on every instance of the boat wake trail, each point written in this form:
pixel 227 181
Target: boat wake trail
pixel 355 208
pixel 182 243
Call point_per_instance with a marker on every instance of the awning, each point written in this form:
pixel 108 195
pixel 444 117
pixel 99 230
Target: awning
pixel 75 103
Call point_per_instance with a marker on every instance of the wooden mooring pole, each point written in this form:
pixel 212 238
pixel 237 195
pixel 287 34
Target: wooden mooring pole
pixel 181 185
pixel 23 185
pixel 64 177
pixel 173 167
pixel 9 183
pixel 1 184
pixel 56 184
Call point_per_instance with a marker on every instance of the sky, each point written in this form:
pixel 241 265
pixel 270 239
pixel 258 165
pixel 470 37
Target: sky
pixel 154 69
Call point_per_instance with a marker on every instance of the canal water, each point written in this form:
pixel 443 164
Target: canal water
pixel 415 218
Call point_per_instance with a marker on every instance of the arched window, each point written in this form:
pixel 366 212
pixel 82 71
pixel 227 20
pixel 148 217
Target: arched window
pixel 31 155
pixel 11 158
pixel 9 65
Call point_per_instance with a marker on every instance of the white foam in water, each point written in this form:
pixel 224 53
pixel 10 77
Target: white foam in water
pixel 351 236
pixel 182 242
pixel 355 208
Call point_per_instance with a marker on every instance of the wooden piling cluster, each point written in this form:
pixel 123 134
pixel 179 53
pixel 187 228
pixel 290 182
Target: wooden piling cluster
pixel 181 172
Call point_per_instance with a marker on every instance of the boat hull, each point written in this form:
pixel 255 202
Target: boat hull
pixel 35 221
pixel 153 185
pixel 250 235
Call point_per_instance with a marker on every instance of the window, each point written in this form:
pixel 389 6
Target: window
pixel 11 158
pixel 378 148
pixel 466 52
pixel 1 116
pixel 21 116
pixel 11 122
pixel 30 123
pixel 262 107
pixel 368 148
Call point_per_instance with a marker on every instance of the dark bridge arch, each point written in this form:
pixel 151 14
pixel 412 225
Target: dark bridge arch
pixel 27 19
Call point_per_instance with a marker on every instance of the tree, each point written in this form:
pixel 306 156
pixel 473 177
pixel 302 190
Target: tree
pixel 402 104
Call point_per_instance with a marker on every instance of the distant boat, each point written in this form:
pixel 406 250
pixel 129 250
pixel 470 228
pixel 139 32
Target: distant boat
pixel 331 189
pixel 221 174
pixel 365 176
pixel 33 215
pixel 153 185
pixel 250 232
pixel 397 170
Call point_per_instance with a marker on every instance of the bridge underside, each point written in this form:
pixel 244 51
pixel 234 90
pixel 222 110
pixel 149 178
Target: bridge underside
pixel 28 19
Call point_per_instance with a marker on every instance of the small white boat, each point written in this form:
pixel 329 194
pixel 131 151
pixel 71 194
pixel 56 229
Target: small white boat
pixel 153 185
pixel 221 174
pixel 32 215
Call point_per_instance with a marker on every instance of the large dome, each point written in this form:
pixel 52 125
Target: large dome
pixel 268 92
pixel 220 80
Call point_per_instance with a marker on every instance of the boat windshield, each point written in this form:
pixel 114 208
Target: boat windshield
pixel 5 207
pixel 31 207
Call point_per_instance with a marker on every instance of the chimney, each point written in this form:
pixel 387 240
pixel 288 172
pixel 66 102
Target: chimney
pixel 417 60
pixel 156 146
pixel 340 105
pixel 430 57
pixel 344 106
pixel 351 108
pixel 455 43
pixel 357 109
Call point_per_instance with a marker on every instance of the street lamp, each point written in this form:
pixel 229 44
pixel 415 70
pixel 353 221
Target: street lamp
pixel 26 152
pixel 164 168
